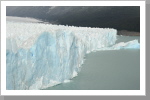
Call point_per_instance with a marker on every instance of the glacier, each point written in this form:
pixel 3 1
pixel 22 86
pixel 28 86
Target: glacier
pixel 43 55
pixel 134 44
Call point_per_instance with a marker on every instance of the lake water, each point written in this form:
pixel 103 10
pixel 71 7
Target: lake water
pixel 108 70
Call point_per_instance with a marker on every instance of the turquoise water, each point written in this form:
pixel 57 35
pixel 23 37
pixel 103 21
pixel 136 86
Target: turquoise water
pixel 108 70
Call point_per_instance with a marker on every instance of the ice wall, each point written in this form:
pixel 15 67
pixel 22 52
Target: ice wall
pixel 42 55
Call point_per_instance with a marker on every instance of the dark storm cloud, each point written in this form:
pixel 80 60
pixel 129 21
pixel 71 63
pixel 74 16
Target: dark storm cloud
pixel 121 18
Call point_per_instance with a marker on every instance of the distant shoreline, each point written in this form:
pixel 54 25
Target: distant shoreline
pixel 128 33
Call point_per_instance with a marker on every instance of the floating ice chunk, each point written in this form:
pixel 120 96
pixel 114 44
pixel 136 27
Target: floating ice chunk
pixel 66 81
pixel 74 74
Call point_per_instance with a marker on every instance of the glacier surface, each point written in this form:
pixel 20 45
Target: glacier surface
pixel 134 44
pixel 43 55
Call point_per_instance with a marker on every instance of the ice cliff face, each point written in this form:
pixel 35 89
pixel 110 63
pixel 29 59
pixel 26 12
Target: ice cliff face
pixel 42 55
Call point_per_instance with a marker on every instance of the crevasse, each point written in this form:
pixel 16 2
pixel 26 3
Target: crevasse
pixel 43 55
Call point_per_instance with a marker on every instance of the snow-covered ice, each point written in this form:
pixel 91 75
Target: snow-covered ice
pixel 43 55
pixel 128 45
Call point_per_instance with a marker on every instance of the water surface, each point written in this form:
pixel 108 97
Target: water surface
pixel 108 70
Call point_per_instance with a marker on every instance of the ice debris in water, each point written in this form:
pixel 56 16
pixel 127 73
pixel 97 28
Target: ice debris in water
pixel 43 55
